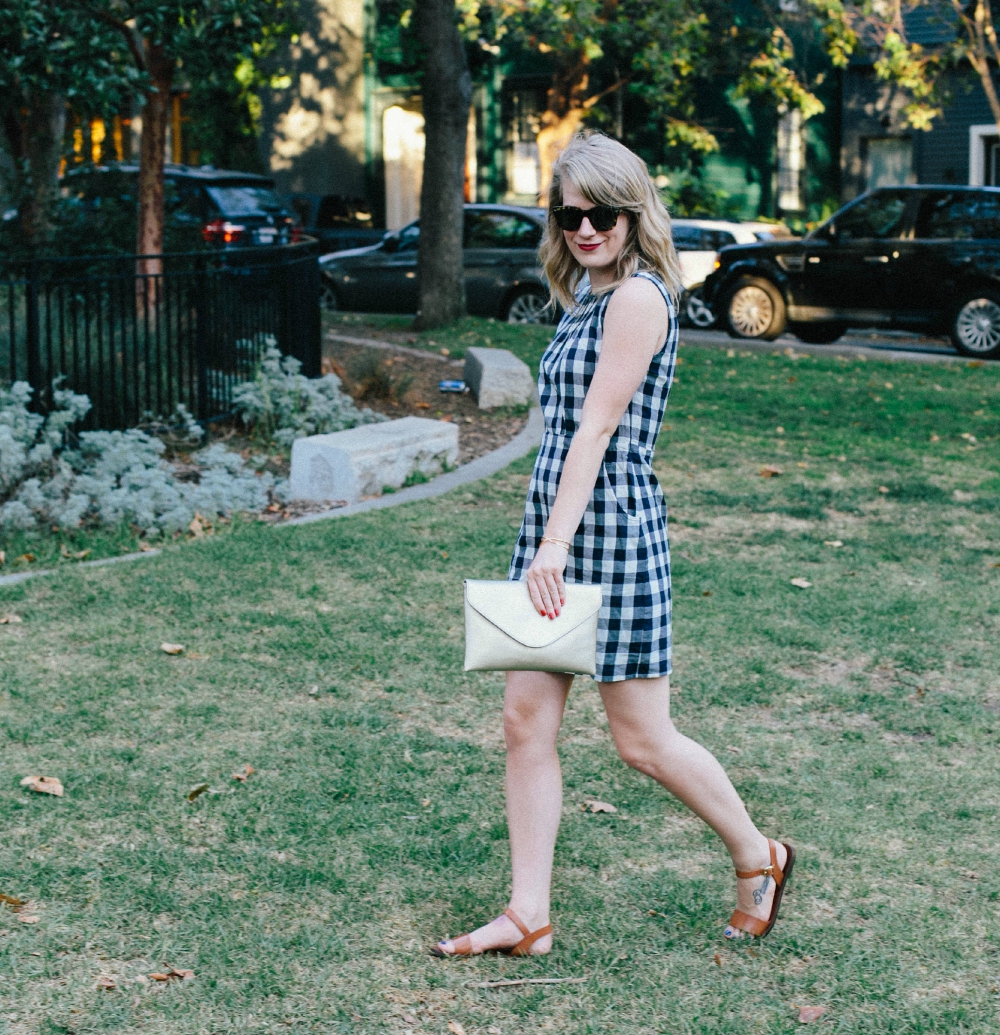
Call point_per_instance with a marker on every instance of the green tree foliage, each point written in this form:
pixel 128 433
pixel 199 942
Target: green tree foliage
pixel 193 38
pixel 52 53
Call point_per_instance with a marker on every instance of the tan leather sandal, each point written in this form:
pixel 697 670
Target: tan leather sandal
pixel 753 925
pixel 463 944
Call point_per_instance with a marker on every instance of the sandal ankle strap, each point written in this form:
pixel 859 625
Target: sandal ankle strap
pixel 771 870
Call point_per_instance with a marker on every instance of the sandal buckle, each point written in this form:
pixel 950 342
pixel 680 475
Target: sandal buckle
pixel 768 870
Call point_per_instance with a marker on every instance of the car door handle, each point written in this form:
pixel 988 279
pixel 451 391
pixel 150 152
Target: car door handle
pixel 876 258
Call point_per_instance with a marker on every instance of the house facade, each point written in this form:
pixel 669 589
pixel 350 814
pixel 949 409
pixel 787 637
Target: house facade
pixel 335 126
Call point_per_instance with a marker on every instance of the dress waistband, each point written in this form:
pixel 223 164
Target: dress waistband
pixel 615 453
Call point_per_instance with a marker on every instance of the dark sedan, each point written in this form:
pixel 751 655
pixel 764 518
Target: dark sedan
pixel 915 258
pixel 502 275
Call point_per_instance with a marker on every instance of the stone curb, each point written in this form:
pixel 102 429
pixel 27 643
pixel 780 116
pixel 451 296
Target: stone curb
pixel 9 580
pixel 391 346
pixel 482 467
pixel 786 344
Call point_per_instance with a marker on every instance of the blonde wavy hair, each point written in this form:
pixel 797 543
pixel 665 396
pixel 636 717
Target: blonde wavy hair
pixel 608 173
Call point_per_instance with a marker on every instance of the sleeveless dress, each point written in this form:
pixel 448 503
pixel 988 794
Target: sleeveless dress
pixel 621 542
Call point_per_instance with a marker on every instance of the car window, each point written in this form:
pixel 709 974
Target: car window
pixel 879 215
pixel 246 201
pixel 959 216
pixel 717 239
pixel 500 230
pixel 688 238
pixel 409 238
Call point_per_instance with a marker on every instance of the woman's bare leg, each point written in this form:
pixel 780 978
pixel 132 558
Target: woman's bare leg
pixel 533 710
pixel 646 738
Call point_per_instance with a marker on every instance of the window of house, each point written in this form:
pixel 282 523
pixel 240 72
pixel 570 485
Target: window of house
pixel 791 161
pixel 888 162
pixel 500 230
pixel 878 215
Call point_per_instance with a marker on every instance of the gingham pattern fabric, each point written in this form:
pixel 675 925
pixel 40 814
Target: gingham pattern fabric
pixel 622 539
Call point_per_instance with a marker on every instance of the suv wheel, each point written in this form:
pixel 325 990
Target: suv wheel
pixel 529 306
pixel 754 308
pixel 975 328
pixel 818 333
pixel 698 314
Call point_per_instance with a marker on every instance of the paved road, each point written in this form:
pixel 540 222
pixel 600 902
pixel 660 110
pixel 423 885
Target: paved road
pixel 884 345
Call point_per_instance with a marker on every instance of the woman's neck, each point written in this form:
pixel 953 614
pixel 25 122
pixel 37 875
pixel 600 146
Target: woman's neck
pixel 601 278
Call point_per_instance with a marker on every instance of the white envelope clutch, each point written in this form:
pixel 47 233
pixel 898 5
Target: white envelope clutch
pixel 504 631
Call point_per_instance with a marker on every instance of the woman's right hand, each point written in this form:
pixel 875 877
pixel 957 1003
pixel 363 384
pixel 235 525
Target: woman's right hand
pixel 545 579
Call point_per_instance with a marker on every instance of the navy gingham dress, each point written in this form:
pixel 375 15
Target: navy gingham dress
pixel 622 539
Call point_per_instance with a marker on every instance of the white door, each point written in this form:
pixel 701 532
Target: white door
pixel 403 152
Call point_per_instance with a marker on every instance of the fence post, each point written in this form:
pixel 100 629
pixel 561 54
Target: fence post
pixel 201 334
pixel 313 330
pixel 33 328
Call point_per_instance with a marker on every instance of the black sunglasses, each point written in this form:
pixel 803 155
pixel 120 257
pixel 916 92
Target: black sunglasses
pixel 602 217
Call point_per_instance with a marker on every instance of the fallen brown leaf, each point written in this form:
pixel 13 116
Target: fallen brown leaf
pixel 145 548
pixel 9 900
pixel 172 648
pixel 242 775
pixel 423 406
pixel 11 620
pixel 455 1028
pixel 173 972
pixel 197 790
pixel 28 918
pixel 883 489
pixel 808 1014
pixel 832 542
pixel 408 1018
pixel 597 806
pixel 3 558
pixel 107 982
pixel 718 960
pixel 159 977
pixel 70 556
pixel 199 526
pixel 801 583
pixel 28 558
pixel 43 785
pixel 770 472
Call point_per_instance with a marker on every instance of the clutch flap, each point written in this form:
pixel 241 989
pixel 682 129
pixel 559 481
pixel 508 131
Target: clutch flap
pixel 508 606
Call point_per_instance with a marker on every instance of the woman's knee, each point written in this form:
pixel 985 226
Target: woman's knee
pixel 525 725
pixel 647 753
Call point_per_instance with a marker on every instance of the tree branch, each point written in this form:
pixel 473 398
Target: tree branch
pixel 131 34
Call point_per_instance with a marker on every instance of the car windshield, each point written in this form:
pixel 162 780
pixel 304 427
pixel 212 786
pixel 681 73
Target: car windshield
pixel 246 201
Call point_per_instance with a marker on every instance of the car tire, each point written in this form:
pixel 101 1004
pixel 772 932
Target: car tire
pixel 975 325
pixel 530 305
pixel 818 333
pixel 696 313
pixel 754 308
pixel 328 301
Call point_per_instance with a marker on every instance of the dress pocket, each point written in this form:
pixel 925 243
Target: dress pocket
pixel 622 479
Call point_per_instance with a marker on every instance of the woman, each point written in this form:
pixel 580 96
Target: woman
pixel 595 514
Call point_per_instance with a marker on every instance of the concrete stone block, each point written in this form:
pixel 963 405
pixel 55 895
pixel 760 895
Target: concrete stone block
pixel 498 378
pixel 348 465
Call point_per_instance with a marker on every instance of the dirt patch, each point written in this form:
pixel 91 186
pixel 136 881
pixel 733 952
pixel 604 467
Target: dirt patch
pixel 479 431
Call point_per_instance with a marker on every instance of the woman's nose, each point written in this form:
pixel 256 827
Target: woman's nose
pixel 586 228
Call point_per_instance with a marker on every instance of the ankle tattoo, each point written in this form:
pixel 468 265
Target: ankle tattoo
pixel 758 895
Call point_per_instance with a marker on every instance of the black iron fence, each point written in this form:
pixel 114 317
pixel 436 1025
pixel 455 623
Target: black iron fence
pixel 140 335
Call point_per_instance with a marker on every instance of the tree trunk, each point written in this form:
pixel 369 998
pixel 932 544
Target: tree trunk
pixel 447 94
pixel 155 113
pixel 35 136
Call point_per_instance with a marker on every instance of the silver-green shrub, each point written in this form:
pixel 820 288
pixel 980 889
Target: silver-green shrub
pixel 281 404
pixel 111 477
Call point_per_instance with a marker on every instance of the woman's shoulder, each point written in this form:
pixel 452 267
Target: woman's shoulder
pixel 642 288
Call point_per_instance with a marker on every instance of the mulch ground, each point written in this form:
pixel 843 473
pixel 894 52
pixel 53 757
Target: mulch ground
pixel 479 431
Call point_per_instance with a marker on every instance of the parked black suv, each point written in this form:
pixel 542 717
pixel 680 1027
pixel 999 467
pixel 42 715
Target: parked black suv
pixel 217 206
pixel 919 258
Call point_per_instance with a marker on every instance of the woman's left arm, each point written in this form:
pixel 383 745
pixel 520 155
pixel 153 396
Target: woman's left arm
pixel 634 331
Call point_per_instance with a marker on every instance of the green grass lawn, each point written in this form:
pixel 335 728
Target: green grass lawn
pixel 860 718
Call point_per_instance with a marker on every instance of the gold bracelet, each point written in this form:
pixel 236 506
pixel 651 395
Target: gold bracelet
pixel 561 542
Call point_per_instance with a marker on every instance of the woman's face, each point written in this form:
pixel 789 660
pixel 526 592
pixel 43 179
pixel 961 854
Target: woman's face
pixel 593 249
